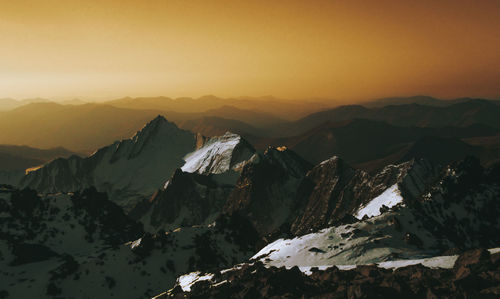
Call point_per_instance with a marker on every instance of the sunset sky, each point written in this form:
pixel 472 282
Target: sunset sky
pixel 344 50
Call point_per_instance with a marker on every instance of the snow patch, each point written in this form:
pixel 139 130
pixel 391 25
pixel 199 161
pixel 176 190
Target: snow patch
pixel 214 157
pixel 188 280
pixel 389 198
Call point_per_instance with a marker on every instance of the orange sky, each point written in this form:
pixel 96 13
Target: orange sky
pixel 345 50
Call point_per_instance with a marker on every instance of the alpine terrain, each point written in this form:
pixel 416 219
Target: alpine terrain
pixel 170 213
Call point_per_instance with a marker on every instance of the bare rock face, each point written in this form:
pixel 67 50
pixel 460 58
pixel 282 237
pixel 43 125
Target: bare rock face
pixel 188 199
pixel 330 189
pixel 475 275
pixel 128 170
pixel 333 190
pixel 218 155
pixel 83 239
pixel 463 206
pixel 265 192
pixel 196 193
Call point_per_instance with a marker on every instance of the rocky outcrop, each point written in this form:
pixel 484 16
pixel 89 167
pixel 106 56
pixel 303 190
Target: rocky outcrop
pixel 59 245
pixel 463 207
pixel 218 155
pixel 196 193
pixel 265 192
pixel 187 199
pixel 330 190
pixel 456 212
pixel 333 191
pixel 128 170
pixel 475 275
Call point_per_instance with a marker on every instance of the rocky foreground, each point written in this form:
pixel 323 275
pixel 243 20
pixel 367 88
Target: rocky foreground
pixel 475 274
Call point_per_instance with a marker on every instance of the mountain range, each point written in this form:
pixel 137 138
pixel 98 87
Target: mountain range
pixel 387 143
pixel 85 128
pixel 16 157
pixel 328 211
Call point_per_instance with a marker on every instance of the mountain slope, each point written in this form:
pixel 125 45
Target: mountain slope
pixel 78 128
pixel 196 192
pixel 460 114
pixel 218 155
pixel 285 109
pixel 456 211
pixel 421 100
pixel 10 162
pixel 466 275
pixel 14 157
pixel 127 170
pixel 265 192
pixel 333 191
pixel 351 139
pixel 82 245
pixel 8 104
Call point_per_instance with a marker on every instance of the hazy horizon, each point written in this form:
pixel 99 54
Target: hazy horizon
pixel 349 51
pixel 103 100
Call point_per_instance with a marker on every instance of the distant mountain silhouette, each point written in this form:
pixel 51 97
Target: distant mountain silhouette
pixel 286 109
pixel 419 99
pixel 80 128
pixel 13 157
pixel 362 142
pixel 86 127
pixel 460 114
pixel 9 104
pixel 441 150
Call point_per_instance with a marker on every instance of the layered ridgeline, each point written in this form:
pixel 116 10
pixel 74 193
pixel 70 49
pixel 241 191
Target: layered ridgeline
pixel 196 192
pixel 209 209
pixel 128 170
pixel 82 245
pixel 133 169
pixel 67 237
pixel 424 219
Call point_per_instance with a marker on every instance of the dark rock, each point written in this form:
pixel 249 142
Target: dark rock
pixel 114 225
pixel 25 201
pixel 413 239
pixel 199 195
pixel 476 258
pixel 29 253
pixel 316 250
pixel 266 191
pixel 369 281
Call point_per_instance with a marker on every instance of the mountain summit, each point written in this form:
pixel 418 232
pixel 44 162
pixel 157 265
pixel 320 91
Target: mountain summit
pixel 127 170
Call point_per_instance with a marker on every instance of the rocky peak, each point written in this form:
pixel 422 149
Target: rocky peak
pixel 187 199
pixel 218 155
pixel 265 192
pixel 333 190
pixel 159 128
pixel 330 191
pixel 287 159
pixel 156 124
pixel 128 170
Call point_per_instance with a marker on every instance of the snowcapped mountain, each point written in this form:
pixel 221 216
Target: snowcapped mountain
pixel 128 170
pixel 458 211
pixel 333 191
pixel 469 275
pixel 265 192
pixel 196 192
pixel 187 199
pixel 218 155
pixel 82 245
pixel 167 205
